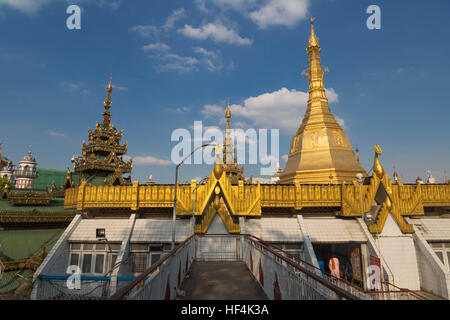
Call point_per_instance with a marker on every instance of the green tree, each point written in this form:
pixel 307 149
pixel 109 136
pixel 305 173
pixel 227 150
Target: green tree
pixel 3 183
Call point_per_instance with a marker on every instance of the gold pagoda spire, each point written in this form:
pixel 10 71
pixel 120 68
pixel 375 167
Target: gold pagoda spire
pixel 320 151
pixel 228 114
pixel 107 104
pixel 229 156
pixel 313 42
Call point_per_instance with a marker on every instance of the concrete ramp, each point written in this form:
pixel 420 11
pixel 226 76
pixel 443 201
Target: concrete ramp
pixel 225 280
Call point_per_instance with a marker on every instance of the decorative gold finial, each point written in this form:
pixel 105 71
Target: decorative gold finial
pixel 395 175
pixel 313 42
pixel 228 112
pixel 107 104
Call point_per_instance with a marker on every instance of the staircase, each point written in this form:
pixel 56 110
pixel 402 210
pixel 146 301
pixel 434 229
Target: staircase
pixel 228 280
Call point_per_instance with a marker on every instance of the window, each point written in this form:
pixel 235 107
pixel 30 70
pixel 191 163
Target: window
pixel 75 246
pixel 114 246
pixel 88 246
pixel 74 259
pixel 442 250
pixel 113 262
pixel 139 247
pixel 154 257
pixel 100 247
pixel 87 262
pixel 139 262
pixel 440 256
pixel 99 263
pixel 154 247
pixel 93 258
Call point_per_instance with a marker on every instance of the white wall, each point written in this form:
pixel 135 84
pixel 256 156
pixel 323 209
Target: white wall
pixel 434 276
pixel 400 254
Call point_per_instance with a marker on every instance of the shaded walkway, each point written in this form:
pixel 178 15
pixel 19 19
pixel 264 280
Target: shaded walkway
pixel 225 280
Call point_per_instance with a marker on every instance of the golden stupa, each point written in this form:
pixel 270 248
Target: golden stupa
pixel 320 151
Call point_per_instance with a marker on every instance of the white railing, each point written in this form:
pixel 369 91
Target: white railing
pixel 279 276
pixel 163 279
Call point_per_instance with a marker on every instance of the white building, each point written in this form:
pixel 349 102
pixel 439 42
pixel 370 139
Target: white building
pixel 26 172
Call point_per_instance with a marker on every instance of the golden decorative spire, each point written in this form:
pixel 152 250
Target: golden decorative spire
pixel 313 42
pixel 107 104
pixel 229 157
pixel 320 148
pixel 228 114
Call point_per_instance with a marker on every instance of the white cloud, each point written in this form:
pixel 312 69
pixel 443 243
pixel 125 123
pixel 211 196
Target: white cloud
pixel 145 31
pixel 174 17
pixel 280 12
pixel 341 122
pixel 26 6
pixel 212 110
pixel 205 52
pixel 56 134
pixel 120 88
pixel 33 6
pixel 180 110
pixel 149 31
pixel 285 107
pixel 211 59
pixel 215 31
pixel 156 46
pixel 150 160
pixel 174 62
pixel 264 13
pixel 285 157
pixel 169 61
pixel 75 87
pixel 234 4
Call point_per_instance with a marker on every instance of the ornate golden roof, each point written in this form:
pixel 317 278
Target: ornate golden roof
pixel 320 151
pixel 103 154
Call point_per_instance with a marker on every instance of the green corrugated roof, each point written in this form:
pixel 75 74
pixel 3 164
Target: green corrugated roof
pixel 19 244
pixel 11 280
pixel 54 206
pixel 46 176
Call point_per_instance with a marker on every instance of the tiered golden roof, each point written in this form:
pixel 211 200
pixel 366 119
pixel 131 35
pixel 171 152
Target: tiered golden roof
pixel 102 156
pixel 320 151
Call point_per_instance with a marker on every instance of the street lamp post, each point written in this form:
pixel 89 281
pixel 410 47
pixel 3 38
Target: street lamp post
pixel 174 216
pixel 194 193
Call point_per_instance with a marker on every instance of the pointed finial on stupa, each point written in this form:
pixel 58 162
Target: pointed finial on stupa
pixel 107 104
pixel 395 174
pixel 228 112
pixel 313 41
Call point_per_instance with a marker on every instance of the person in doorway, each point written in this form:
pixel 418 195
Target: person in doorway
pixel 334 267
pixel 321 266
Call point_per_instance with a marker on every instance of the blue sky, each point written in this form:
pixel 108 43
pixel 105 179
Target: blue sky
pixel 178 61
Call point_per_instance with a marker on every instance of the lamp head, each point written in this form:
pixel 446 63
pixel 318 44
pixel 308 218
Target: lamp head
pixel 100 233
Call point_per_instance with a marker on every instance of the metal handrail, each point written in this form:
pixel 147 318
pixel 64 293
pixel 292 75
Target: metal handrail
pixel 339 280
pixel 399 290
pixel 339 291
pixel 122 292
